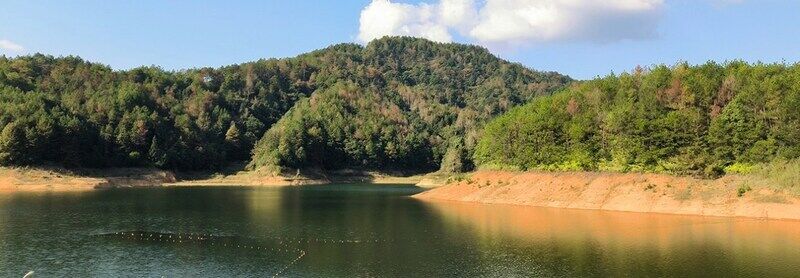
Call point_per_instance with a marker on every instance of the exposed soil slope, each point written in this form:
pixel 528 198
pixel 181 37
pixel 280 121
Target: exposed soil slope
pixel 57 179
pixel 30 179
pixel 307 177
pixel 621 192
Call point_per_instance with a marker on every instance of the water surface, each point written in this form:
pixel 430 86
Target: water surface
pixel 370 231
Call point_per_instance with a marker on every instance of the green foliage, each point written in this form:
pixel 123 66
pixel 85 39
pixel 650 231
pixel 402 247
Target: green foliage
pixel 394 101
pixel 12 144
pixel 456 159
pixel 742 190
pixel 77 113
pixel 700 120
pixel 740 168
pixel 399 104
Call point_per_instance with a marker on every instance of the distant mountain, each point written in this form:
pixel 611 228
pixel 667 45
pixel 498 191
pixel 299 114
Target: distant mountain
pixel 398 103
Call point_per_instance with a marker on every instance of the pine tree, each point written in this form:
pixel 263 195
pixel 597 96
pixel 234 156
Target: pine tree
pixel 12 144
pixel 155 154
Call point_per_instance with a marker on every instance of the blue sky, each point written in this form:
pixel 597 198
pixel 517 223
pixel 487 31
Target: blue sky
pixel 583 40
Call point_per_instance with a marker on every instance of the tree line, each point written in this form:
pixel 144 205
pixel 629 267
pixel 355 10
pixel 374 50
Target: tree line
pixel 395 103
pixel 701 120
pixel 74 113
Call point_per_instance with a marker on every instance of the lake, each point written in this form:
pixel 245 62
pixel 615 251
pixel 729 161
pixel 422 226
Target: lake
pixel 368 231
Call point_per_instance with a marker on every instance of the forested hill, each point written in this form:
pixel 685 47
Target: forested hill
pixel 703 120
pixel 396 103
pixel 399 104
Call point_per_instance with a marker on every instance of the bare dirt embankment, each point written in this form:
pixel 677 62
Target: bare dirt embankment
pixel 247 178
pixel 56 179
pixel 289 178
pixel 656 193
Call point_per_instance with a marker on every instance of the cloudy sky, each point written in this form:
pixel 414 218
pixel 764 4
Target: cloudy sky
pixel 582 38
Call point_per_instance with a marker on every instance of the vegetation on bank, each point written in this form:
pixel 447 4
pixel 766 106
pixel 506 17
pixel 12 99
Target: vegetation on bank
pixel 402 105
pixel 703 120
pixel 779 174
pixel 397 100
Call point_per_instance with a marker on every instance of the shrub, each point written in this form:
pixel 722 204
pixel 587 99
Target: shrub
pixel 743 189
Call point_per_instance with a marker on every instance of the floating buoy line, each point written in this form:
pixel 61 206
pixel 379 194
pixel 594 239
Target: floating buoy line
pixel 283 244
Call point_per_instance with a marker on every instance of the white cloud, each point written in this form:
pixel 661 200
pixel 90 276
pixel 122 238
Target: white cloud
pixel 384 18
pixel 558 20
pixel 513 21
pixel 11 46
pixel 457 13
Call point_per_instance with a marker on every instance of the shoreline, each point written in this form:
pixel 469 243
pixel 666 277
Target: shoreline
pixel 627 192
pixel 748 218
pixel 312 177
pixel 53 179
pixel 44 179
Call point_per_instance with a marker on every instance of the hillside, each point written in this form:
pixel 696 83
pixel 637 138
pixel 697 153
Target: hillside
pixel 704 120
pixel 400 104
pixel 70 112
pixel 403 101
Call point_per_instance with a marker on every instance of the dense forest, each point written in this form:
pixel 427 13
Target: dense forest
pixel 699 120
pixel 74 113
pixel 400 105
pixel 396 103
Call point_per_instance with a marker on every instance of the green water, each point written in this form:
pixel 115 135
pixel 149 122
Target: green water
pixel 369 231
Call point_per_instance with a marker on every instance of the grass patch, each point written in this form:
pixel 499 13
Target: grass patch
pixel 460 177
pixel 500 167
pixel 782 175
pixel 771 198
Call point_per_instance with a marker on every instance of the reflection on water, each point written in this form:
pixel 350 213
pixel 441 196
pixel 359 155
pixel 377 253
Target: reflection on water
pixel 368 230
pixel 603 243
